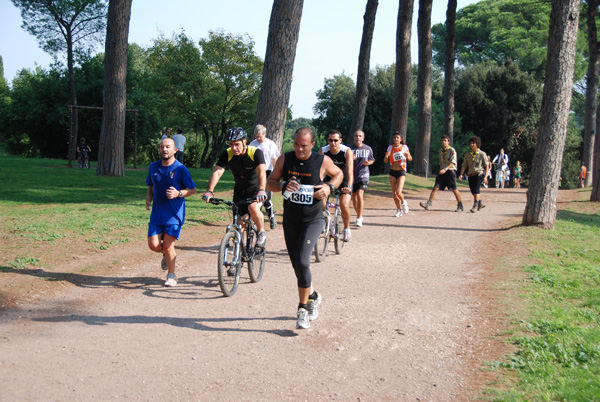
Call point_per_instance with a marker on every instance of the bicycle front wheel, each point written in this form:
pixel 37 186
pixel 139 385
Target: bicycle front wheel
pixel 256 265
pixel 255 256
pixel 322 241
pixel 229 265
pixel 338 242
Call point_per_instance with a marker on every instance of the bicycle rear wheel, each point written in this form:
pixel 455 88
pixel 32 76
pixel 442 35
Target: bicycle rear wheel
pixel 229 265
pixel 323 240
pixel 256 257
pixel 338 242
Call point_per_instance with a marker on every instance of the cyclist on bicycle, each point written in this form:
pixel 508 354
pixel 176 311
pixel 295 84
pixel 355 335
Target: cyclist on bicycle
pixel 82 153
pixel 501 162
pixel 302 172
pixel 343 157
pixel 247 164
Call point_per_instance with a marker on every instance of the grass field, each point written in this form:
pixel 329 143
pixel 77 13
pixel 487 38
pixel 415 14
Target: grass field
pixel 556 329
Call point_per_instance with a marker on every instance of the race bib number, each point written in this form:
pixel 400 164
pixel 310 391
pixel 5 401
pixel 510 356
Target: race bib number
pixel 304 195
pixel 398 156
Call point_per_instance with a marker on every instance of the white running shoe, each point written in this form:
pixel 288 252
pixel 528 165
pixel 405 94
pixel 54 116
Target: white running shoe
pixel 347 236
pixel 313 307
pixel 398 213
pixel 171 280
pixel 405 207
pixel 359 222
pixel 303 320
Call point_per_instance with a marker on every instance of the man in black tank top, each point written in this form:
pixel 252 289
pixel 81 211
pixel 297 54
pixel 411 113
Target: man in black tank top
pixel 343 157
pixel 302 172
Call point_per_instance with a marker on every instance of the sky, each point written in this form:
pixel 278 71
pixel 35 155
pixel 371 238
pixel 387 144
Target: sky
pixel 329 42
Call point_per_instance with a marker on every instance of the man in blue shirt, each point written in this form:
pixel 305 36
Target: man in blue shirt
pixel 169 182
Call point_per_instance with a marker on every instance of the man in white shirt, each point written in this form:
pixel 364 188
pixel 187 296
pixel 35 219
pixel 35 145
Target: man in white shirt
pixel 271 152
pixel 179 140
pixel 501 162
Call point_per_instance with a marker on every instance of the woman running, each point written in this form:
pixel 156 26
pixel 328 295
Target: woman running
pixel 518 173
pixel 397 154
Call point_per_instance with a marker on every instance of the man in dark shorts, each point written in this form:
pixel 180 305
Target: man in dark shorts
pixel 299 174
pixel 247 163
pixel 447 175
pixel 475 162
pixel 363 158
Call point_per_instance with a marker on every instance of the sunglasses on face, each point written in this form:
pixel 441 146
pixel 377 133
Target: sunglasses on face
pixel 332 140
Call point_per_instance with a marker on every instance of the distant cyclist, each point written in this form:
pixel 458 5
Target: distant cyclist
pixel 247 164
pixel 83 151
pixel 271 153
pixel 501 162
pixel 343 157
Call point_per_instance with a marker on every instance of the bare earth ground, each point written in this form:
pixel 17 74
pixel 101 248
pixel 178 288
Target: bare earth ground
pixel 409 313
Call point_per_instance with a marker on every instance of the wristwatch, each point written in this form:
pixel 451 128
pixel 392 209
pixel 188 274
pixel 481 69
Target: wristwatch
pixel 181 194
pixel 331 188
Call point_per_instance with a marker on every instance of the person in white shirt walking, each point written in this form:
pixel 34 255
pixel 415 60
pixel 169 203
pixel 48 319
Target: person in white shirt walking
pixel 271 152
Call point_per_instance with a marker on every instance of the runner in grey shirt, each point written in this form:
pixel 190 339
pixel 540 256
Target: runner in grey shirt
pixel 363 158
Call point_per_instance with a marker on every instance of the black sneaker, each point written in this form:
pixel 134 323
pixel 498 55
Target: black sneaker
pixel 273 222
pixel 474 209
pixel 459 208
pixel 480 206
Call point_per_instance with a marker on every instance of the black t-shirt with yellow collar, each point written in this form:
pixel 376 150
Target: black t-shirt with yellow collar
pixel 243 167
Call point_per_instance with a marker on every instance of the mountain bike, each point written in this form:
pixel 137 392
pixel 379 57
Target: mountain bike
pixel 237 247
pixel 332 229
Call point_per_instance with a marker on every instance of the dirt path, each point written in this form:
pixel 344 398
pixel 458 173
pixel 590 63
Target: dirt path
pixel 403 318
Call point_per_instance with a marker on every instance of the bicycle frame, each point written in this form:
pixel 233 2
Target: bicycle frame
pixel 240 248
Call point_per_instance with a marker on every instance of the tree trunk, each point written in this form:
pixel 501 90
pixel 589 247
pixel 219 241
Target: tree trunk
pixel 591 91
pixel 424 88
pixel 594 169
pixel 449 70
pixel 73 95
pixel 112 134
pixel 540 209
pixel 362 78
pixel 402 76
pixel 284 28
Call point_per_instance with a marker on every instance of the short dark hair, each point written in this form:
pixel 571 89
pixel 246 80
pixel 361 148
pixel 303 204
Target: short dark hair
pixel 303 130
pixel 334 131
pixel 179 131
pixel 476 140
pixel 446 136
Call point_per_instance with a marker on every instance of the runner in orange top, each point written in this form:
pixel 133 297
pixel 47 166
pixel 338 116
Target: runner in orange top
pixel 582 174
pixel 397 154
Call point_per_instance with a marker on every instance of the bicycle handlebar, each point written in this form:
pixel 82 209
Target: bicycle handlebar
pixel 217 201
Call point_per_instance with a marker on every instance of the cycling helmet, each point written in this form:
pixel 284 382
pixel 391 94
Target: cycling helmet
pixel 236 134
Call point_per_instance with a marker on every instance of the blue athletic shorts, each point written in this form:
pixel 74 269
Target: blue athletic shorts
pixel 171 230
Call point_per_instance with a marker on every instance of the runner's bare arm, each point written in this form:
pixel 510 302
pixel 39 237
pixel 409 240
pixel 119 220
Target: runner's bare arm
pixel 273 182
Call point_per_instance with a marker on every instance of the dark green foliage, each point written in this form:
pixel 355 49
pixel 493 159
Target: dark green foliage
pixel 501 105
pixel 336 101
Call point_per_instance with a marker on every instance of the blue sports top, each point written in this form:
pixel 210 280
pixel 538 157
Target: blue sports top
pixel 164 210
